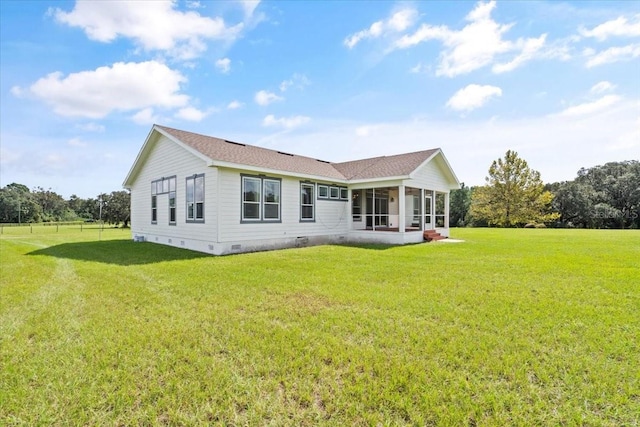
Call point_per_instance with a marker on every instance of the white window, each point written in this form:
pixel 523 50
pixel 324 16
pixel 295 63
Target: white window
pixel 307 202
pixel 260 199
pixel 323 192
pixel 271 199
pixel 335 193
pixel 195 198
pixel 163 186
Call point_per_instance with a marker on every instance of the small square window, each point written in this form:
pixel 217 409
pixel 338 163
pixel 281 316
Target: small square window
pixel 335 193
pixel 323 192
pixel 344 194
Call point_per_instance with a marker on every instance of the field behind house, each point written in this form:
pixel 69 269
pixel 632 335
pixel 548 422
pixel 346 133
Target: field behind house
pixel 512 327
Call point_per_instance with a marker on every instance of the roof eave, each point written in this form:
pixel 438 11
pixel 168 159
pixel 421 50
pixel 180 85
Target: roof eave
pixel 263 170
pixel 378 179
pixel 128 182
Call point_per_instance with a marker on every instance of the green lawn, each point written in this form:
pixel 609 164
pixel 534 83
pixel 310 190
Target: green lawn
pixel 512 327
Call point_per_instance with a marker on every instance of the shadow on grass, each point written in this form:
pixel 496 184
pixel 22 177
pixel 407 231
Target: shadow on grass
pixel 367 246
pixel 118 252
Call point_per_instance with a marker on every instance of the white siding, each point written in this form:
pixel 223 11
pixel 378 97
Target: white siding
pixel 164 160
pixel 330 223
pixel 431 176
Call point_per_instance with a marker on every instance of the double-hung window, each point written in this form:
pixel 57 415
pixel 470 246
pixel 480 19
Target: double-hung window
pixel 154 207
pixel 195 198
pixel 163 186
pixel 307 202
pixel 260 199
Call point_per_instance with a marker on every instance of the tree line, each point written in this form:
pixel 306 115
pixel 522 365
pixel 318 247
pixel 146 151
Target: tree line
pixel 18 204
pixel 604 196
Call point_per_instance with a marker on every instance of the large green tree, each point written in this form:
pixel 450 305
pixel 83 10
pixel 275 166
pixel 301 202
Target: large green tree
pixel 18 204
pixel 117 207
pixel 604 196
pixel 460 203
pixel 514 195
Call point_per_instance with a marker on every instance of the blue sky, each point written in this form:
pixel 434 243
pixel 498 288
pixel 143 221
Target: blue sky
pixel 82 82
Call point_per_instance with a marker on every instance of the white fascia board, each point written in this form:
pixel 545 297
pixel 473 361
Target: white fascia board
pixel 261 170
pixel 377 180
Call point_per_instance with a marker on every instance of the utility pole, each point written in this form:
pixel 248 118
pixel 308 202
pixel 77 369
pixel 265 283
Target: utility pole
pixel 100 218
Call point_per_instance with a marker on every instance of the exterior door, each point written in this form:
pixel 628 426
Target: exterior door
pixel 428 217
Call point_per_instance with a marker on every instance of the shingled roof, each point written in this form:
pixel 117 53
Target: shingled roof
pixel 243 154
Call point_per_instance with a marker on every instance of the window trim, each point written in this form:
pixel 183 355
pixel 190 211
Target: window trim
pixel 265 203
pixel 334 187
pixel 263 179
pixel 323 188
pixel 312 204
pixel 195 219
pixel 174 208
pixel 164 185
pixel 154 209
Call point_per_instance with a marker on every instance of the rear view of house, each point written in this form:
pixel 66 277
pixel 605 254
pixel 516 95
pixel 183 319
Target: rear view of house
pixel 221 197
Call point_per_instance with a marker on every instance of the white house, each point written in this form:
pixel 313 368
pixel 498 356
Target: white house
pixel 221 197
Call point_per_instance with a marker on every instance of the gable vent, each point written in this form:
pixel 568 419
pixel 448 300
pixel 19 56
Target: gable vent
pixel 235 143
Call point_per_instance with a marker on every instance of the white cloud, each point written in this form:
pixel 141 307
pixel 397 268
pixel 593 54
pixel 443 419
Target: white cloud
pixel 603 86
pixel 591 107
pixel 611 55
pixel 471 145
pixel 476 45
pixel 619 27
pixel 529 49
pixel 249 6
pixel 152 25
pixel 264 97
pixel 234 105
pixel 76 142
pixel 366 130
pixel 419 68
pixel 285 122
pixel 397 22
pixel 91 127
pixel 297 80
pixel 17 91
pixel 121 87
pixel 191 114
pixel 224 65
pixel 145 117
pixel 472 96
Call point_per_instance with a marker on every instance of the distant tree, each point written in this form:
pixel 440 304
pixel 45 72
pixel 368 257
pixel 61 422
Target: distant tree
pixel 53 206
pixel 117 207
pixel 606 196
pixel 573 201
pixel 513 196
pixel 17 204
pixel 460 203
pixel 86 209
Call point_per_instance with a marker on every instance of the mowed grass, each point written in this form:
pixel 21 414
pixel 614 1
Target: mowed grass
pixel 512 327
